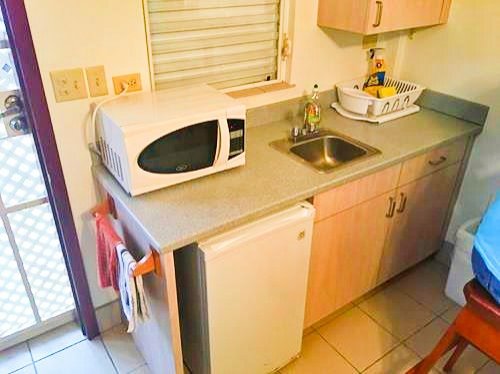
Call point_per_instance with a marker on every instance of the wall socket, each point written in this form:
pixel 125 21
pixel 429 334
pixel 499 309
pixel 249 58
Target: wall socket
pixel 133 81
pixel 96 79
pixel 69 84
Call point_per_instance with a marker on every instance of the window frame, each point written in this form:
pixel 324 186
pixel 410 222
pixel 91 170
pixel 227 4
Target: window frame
pixel 283 62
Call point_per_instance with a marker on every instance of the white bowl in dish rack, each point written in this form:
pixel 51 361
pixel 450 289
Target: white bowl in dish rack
pixel 353 99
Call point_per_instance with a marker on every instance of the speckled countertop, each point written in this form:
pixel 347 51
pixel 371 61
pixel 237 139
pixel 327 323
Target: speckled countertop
pixel 176 216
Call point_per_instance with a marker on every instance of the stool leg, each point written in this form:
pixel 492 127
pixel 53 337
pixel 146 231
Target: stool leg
pixel 447 342
pixel 462 344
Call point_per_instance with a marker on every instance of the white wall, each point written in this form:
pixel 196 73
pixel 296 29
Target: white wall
pixel 462 59
pixel 79 33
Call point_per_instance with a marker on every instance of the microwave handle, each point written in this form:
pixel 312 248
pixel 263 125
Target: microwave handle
pixel 224 143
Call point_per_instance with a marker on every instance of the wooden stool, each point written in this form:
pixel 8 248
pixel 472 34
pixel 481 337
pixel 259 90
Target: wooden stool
pixel 478 323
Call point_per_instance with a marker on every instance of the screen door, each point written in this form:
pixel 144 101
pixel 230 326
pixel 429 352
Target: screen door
pixel 35 292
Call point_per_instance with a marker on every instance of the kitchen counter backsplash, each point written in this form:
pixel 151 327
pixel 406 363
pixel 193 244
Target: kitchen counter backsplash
pixel 454 106
pixel 286 110
pixel 433 100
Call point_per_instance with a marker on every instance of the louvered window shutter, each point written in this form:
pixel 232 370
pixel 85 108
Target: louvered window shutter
pixel 225 43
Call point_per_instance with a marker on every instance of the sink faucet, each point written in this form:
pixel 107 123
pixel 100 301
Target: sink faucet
pixel 310 128
pixel 305 132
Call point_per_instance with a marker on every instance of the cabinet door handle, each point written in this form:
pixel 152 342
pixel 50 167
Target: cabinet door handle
pixel 380 10
pixel 438 162
pixel 392 207
pixel 402 204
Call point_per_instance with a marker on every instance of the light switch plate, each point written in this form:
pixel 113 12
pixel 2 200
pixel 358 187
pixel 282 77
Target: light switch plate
pixel 96 79
pixel 69 84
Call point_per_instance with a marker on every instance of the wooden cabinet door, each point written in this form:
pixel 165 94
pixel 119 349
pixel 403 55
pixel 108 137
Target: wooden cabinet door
pixel 390 15
pixel 349 15
pixel 345 256
pixel 417 228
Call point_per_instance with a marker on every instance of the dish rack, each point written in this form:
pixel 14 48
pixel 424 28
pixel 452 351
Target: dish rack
pixel 353 99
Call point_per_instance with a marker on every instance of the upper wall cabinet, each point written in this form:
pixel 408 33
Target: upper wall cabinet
pixel 377 16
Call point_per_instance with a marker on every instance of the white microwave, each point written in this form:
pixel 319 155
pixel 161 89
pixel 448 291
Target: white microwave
pixel 153 140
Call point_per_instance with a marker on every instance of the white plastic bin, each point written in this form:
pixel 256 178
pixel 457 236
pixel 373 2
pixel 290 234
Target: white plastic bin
pixel 353 99
pixel 461 265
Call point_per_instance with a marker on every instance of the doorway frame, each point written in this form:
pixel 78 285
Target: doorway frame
pixel 37 111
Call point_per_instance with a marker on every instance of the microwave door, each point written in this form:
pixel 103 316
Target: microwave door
pixel 223 143
pixel 185 150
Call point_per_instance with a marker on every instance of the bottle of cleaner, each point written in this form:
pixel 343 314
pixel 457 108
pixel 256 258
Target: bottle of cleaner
pixel 312 111
pixel 376 77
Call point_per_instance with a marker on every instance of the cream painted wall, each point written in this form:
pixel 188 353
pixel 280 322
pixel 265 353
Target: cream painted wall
pixel 462 59
pixel 79 33
pixel 321 55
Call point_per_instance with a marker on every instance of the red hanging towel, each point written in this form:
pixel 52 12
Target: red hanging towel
pixel 107 262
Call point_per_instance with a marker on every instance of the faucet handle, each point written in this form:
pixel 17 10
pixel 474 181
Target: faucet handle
pixel 295 132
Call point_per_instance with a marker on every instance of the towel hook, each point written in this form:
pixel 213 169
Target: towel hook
pixel 106 207
pixel 149 264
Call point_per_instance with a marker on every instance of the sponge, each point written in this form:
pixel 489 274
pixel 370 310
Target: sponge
pixel 372 90
pixel 384 92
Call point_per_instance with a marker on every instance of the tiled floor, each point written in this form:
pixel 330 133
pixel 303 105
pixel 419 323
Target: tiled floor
pixel 66 350
pixel 387 332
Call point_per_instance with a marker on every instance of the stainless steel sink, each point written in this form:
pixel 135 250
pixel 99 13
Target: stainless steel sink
pixel 326 151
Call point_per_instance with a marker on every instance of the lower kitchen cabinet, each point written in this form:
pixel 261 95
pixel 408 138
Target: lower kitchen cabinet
pixel 374 228
pixel 345 257
pixel 417 228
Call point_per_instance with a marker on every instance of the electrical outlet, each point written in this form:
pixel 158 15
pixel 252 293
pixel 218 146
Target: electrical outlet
pixel 96 79
pixel 69 84
pixel 133 81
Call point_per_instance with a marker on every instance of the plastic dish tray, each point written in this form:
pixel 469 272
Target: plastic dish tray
pixel 355 100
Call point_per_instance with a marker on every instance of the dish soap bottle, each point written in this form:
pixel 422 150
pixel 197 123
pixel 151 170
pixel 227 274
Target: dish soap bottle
pixel 312 111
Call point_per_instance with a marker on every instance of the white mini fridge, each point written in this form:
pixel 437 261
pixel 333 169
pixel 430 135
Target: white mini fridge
pixel 242 295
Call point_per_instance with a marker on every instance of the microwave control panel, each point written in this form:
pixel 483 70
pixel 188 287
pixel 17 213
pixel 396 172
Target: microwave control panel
pixel 237 136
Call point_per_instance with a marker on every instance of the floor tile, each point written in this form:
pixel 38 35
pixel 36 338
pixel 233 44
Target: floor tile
pixel 397 312
pixel 333 315
pixel 318 357
pixel 426 284
pixel 398 361
pixel 452 313
pixel 55 340
pixel 426 339
pixel 122 349
pixel 14 358
pixel 371 293
pixel 308 331
pixel 358 338
pixel 26 370
pixel 469 363
pixel 82 358
pixel 141 370
pixel 109 315
pixel 490 368
pixel 439 266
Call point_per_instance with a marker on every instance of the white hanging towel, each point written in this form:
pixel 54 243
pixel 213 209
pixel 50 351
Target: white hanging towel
pixel 132 294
